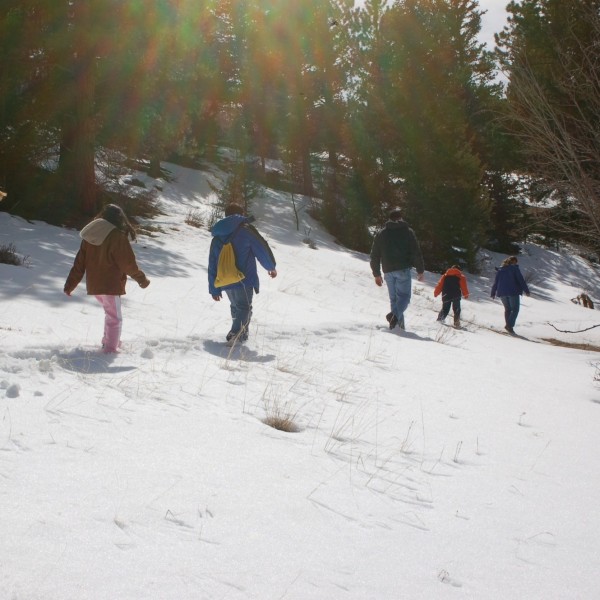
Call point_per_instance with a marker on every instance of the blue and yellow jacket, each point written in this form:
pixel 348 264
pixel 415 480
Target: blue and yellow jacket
pixel 248 246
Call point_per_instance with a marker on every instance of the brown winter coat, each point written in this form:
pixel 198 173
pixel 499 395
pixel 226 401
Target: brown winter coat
pixel 106 258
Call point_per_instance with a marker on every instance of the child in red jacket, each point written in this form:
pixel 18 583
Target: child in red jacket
pixel 452 285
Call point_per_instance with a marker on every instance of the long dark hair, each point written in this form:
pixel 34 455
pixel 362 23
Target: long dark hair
pixel 114 214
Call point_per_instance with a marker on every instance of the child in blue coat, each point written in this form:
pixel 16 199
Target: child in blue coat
pixel 249 246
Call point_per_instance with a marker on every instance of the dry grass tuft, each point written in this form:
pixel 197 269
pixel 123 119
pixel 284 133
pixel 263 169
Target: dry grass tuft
pixel 279 416
pixel 282 423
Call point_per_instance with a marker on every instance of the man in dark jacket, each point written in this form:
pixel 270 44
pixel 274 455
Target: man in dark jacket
pixel 395 251
pixel 249 246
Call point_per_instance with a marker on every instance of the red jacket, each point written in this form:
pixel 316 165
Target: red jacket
pixel 451 284
pixel 105 258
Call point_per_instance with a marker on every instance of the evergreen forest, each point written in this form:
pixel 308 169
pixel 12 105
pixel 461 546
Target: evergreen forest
pixel 387 103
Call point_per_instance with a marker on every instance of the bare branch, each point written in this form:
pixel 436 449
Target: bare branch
pixel 578 331
pixel 559 129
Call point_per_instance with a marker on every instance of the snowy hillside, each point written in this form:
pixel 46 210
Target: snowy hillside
pixel 433 463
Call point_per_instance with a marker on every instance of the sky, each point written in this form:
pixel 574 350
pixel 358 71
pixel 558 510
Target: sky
pixel 431 463
pixel 493 21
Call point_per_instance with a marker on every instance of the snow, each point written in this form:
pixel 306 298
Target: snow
pixel 435 463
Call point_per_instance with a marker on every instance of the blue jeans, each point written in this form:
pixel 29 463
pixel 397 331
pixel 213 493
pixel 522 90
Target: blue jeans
pixel 511 309
pixel 399 284
pixel 240 298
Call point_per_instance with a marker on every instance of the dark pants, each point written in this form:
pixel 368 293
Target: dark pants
pixel 240 298
pixel 446 304
pixel 511 309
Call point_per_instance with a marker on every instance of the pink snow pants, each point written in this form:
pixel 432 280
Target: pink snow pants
pixel 112 322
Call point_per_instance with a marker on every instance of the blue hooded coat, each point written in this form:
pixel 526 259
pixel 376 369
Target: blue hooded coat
pixel 248 246
pixel 509 282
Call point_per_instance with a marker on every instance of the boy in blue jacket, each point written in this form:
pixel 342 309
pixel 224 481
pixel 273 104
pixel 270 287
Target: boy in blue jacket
pixel 249 246
pixel 509 285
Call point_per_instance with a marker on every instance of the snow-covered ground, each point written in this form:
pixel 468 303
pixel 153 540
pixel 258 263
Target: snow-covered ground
pixel 429 464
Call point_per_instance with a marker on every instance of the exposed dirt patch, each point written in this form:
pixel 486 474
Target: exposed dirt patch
pixel 588 347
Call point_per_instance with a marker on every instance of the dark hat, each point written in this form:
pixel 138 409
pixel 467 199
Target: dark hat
pixel 395 214
pixel 233 209
pixel 112 211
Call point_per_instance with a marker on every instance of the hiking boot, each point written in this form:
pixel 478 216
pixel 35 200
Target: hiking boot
pixel 392 319
pixel 509 329
pixel 441 318
pixel 237 336
pixel 457 322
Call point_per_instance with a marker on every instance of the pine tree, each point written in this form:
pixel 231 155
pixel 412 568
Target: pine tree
pixel 433 67
pixel 48 97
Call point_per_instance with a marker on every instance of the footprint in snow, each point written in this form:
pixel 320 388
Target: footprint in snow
pixel 12 391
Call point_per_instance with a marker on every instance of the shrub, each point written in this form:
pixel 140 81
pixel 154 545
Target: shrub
pixel 216 214
pixel 194 218
pixel 308 239
pixel 532 277
pixel 9 256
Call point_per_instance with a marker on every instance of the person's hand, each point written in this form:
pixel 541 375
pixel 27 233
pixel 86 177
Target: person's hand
pixel 145 283
pixel 273 273
pixel 378 280
pixel 67 293
pixel 217 298
pixel 420 276
pixel 527 294
pixel 466 296
pixel 493 296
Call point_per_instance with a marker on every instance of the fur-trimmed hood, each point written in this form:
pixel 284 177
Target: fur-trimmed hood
pixel 96 232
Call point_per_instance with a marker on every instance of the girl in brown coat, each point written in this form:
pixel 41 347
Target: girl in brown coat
pixel 106 258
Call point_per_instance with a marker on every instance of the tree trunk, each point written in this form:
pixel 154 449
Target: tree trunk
pixel 77 148
pixel 307 179
pixel 154 167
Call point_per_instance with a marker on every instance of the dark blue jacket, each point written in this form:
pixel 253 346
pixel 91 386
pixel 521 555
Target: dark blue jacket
pixel 509 282
pixel 248 246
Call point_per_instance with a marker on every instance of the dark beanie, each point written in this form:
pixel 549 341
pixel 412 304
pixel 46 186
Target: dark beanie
pixel 395 214
pixel 234 209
